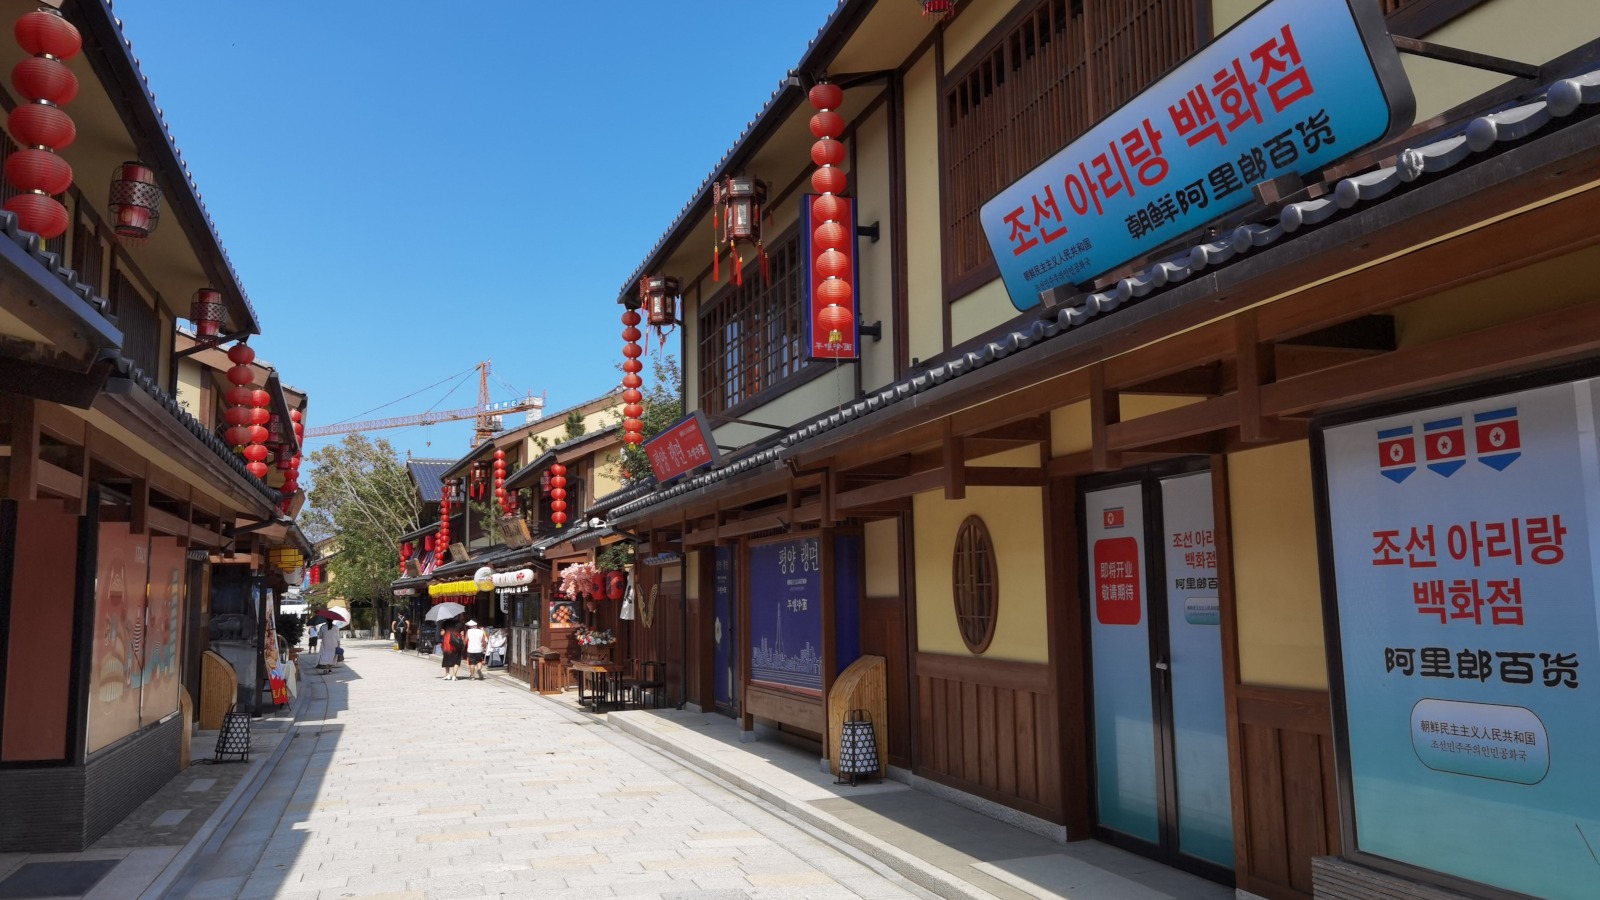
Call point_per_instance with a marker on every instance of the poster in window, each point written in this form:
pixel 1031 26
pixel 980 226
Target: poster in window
pixel 117 663
pixel 1465 588
pixel 786 615
pixel 163 636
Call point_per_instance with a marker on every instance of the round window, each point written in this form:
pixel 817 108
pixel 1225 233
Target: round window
pixel 976 585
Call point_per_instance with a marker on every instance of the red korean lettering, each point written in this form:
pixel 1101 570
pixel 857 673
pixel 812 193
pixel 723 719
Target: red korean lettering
pixel 1465 602
pixel 1020 232
pixel 1420 548
pixel 1082 192
pixel 1142 147
pixel 1505 601
pixel 1110 174
pixel 1236 94
pixel 1543 536
pixel 1281 71
pixel 1463 540
pixel 1195 119
pixel 1503 540
pixel 1387 551
pixel 1049 210
pixel 1429 598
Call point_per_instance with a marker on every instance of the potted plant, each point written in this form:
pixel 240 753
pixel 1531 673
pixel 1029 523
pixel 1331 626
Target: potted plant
pixel 594 643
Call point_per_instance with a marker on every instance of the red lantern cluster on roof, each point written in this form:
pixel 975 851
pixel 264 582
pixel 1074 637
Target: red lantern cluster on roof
pixel 315 574
pixel 135 203
pixel 39 124
pixel 247 414
pixel 632 398
pixel 738 201
pixel 291 463
pixel 832 238
pixel 558 494
pixel 500 493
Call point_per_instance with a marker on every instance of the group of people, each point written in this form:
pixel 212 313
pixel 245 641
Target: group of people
pixel 457 641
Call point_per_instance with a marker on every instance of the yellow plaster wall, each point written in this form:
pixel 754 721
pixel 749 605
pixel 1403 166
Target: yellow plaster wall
pixel 833 389
pixel 191 389
pixel 873 204
pixel 966 31
pixel 1015 519
pixel 670 574
pixel 924 270
pixel 1552 285
pixel 691 589
pixel 1276 587
pixel 605 480
pixel 883 558
pixel 980 311
pixel 1069 425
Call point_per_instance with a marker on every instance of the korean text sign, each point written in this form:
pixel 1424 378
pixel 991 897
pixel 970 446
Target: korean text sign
pixel 1294 87
pixel 786 614
pixel 685 446
pixel 1466 592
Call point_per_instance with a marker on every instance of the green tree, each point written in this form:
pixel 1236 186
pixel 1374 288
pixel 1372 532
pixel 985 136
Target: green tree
pixel 663 405
pixel 575 426
pixel 360 492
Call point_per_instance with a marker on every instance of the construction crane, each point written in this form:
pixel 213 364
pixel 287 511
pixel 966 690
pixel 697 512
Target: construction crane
pixel 485 416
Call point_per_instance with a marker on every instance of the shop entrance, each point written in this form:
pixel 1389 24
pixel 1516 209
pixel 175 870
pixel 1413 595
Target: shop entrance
pixel 1160 741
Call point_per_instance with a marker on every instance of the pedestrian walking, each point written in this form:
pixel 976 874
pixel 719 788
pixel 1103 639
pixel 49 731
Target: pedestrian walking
pixel 450 644
pixel 331 652
pixel 311 640
pixel 399 629
pixel 477 646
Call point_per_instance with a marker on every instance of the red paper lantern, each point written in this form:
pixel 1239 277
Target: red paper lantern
pixel 32 169
pixel 938 9
pixel 255 453
pixel 261 398
pixel 41 125
pixel 829 180
pixel 632 395
pixel 241 354
pixel 825 95
pixel 738 201
pixel 241 375
pixel 46 31
pixel 238 435
pixel 827 152
pixel 827 124
pixel 832 264
pixel 135 203
pixel 597 586
pixel 44 78
pixel 39 213
pixel 258 469
pixel 830 236
pixel 558 494
pixel 616 582
pixel 632 381
pixel 827 208
pixel 834 291
pixel 236 415
pixel 295 415
pixel 206 311
pixel 835 321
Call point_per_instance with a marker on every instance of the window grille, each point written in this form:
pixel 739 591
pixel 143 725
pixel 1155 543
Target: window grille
pixel 752 336
pixel 976 585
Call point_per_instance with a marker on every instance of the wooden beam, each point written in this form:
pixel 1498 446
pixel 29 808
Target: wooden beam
pixel 1290 360
pixel 955 465
pixel 24 474
pixel 1204 380
pixel 140 507
pixel 166 523
pixel 870 495
pixel 85 464
pixel 1216 414
pixel 751 525
pixel 1003 476
pixel 1254 370
pixel 60 482
pixel 60 424
pixel 1105 409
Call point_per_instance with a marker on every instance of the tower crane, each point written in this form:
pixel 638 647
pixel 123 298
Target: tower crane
pixel 485 415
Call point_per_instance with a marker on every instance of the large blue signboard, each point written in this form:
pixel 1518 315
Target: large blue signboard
pixel 1469 631
pixel 1294 87
pixel 786 615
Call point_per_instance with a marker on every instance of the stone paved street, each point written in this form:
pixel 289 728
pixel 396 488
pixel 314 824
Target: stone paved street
pixel 399 784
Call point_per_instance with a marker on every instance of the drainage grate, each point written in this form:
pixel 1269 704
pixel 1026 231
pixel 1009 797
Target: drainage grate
pixel 55 879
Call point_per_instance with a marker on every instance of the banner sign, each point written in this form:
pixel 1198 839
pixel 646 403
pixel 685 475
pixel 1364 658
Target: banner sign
pixel 685 446
pixel 786 615
pixel 1465 583
pixel 836 333
pixel 1294 87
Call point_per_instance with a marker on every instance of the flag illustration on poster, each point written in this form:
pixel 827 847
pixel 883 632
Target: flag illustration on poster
pixel 1498 438
pixel 1397 453
pixel 1114 517
pixel 1445 443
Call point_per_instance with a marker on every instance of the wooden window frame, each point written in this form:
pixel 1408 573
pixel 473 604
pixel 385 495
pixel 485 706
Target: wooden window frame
pixel 977 597
pixel 767 322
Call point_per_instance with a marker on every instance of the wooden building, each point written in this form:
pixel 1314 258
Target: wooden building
pixel 1097 533
pixel 133 534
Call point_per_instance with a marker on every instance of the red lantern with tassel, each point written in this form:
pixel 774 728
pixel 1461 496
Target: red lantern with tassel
pixel 738 201
pixel 39 124
pixel 135 203
pixel 558 494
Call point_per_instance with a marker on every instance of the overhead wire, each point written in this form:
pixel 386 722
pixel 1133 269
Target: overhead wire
pixel 409 396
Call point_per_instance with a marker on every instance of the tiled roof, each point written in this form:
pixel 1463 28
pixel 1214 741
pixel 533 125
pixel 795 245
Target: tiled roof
pixel 1479 135
pixel 426 475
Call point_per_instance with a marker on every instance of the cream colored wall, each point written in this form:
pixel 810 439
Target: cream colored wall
pixel 924 270
pixel 1548 286
pixel 980 311
pixel 1226 12
pixel 832 390
pixel 670 574
pixel 874 204
pixel 882 550
pixel 1069 425
pixel 1015 519
pixel 605 480
pixel 689 353
pixel 966 31
pixel 1278 595
pixel 191 390
pixel 691 589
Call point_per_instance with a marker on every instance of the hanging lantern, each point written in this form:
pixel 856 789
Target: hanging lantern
pixel 558 494
pixel 631 351
pixel 616 583
pixel 738 200
pixel 832 240
pixel 39 125
pixel 206 311
pixel 938 9
pixel 500 480
pixel 658 294
pixel 135 203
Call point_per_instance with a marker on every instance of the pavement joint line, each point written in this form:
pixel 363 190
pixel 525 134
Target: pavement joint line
pixel 227 814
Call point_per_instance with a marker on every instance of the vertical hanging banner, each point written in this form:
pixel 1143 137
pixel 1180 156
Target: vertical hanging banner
pixel 832 322
pixel 1292 88
pixel 1468 632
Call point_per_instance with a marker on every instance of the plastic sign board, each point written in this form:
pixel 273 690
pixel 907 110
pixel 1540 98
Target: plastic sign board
pixel 1462 548
pixel 1292 88
pixel 822 342
pixel 686 446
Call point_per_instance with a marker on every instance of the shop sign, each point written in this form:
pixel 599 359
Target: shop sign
pixel 786 615
pixel 405 592
pixel 1464 581
pixel 684 447
pixel 1293 88
pixel 825 339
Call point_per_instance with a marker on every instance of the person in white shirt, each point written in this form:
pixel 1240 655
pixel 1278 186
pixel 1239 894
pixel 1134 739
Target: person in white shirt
pixel 477 644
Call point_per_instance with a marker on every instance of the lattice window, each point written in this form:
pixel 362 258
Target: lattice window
pixel 1044 83
pixel 752 336
pixel 141 327
pixel 975 583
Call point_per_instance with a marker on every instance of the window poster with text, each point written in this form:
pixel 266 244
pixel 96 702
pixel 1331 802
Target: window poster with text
pixel 1463 560
pixel 116 674
pixel 786 615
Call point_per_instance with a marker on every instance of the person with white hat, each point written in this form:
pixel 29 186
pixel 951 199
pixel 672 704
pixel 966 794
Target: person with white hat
pixel 477 645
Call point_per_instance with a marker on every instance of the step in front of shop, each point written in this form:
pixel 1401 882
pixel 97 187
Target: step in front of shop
pixel 1336 878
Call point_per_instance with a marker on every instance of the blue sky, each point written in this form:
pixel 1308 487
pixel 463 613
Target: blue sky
pixel 409 188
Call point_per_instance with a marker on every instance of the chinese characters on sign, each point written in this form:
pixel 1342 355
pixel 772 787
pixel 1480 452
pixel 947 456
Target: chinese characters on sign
pixel 831 333
pixel 1467 616
pixel 685 446
pixel 1294 87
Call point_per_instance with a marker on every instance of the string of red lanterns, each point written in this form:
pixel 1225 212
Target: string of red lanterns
pixel 292 481
pixel 248 415
pixel 558 494
pixel 739 201
pixel 40 125
pixel 442 542
pixel 831 237
pixel 632 397
pixel 500 480
pixel 405 556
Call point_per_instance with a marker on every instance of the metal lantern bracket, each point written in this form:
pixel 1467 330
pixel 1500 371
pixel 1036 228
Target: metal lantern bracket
pixel 211 343
pixel 874 331
pixel 869 232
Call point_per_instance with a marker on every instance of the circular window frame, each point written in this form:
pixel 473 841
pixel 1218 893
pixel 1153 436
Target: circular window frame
pixel 976 599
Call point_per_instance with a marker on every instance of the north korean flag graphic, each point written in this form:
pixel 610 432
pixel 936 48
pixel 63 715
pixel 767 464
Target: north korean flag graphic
pixel 1397 453
pixel 1444 443
pixel 1499 440
pixel 1113 518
